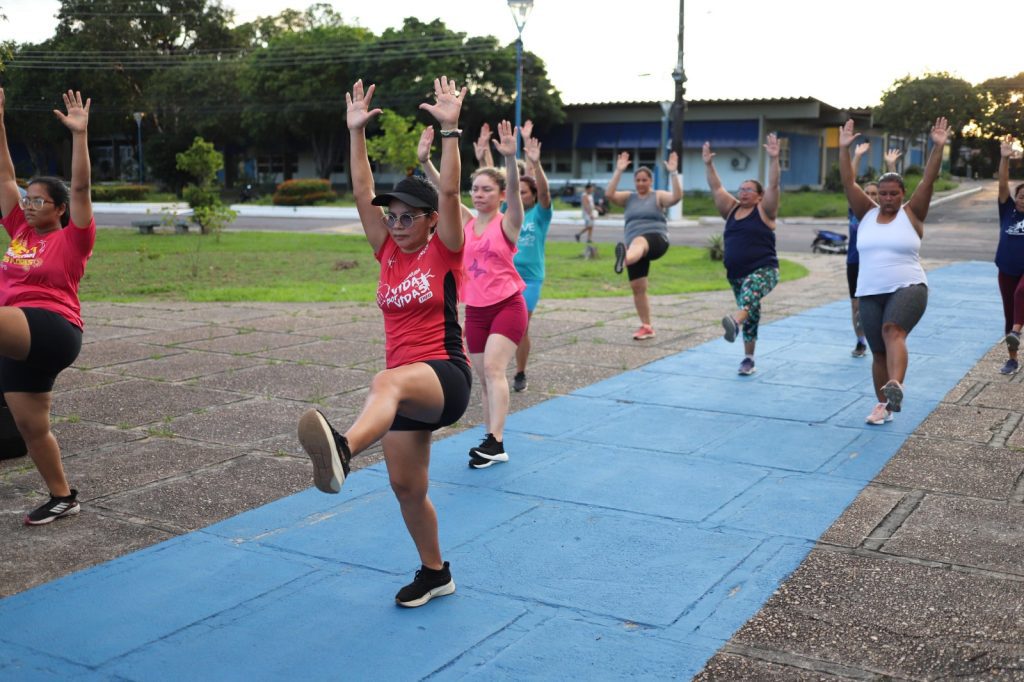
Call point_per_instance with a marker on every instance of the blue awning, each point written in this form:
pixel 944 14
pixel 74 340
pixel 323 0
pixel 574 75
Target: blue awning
pixel 647 135
pixel 719 134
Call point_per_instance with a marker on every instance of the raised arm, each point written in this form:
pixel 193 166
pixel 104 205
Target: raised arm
pixel 675 193
pixel 505 145
pixel 859 202
pixel 531 149
pixel 482 148
pixel 77 121
pixel 772 192
pixel 358 115
pixel 890 158
pixel 858 153
pixel 430 171
pixel 9 193
pixel 921 199
pixel 445 110
pixel 611 192
pixel 724 202
pixel 1005 152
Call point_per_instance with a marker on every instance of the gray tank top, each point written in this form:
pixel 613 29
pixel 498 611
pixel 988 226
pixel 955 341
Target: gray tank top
pixel 643 216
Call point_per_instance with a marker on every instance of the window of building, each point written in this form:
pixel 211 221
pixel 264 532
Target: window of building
pixel 604 161
pixel 784 153
pixel 277 164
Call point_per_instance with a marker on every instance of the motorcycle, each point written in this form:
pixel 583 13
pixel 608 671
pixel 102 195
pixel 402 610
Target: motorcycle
pixel 826 241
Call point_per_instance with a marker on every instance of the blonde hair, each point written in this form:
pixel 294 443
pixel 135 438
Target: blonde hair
pixel 493 173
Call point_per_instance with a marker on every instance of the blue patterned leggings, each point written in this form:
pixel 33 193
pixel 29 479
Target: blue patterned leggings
pixel 749 291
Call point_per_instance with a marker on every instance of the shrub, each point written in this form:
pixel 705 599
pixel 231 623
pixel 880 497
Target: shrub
pixel 120 192
pixel 716 247
pixel 913 170
pixel 304 192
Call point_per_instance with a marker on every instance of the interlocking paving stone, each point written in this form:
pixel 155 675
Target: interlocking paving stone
pixel 309 383
pixel 954 467
pixel 248 343
pixel 136 402
pixel 239 424
pixel 185 365
pixel 109 353
pixel 863 516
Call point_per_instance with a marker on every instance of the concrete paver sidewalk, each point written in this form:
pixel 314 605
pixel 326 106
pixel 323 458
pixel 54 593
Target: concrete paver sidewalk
pixel 644 518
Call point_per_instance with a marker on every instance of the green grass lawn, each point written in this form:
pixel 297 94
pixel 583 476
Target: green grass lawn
pixel 258 266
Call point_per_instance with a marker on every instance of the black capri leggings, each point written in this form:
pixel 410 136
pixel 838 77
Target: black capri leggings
pixel 456 381
pixel 54 343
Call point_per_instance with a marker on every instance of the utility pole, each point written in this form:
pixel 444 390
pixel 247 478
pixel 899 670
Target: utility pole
pixel 679 105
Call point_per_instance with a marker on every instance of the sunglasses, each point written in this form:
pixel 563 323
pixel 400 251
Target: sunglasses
pixel 34 202
pixel 404 219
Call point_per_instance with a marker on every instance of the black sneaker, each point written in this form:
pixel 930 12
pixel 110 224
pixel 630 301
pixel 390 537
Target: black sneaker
pixel 489 452
pixel 54 508
pixel 893 393
pixel 1012 341
pixel 859 351
pixel 519 382
pixel 427 584
pixel 327 448
pixel 620 257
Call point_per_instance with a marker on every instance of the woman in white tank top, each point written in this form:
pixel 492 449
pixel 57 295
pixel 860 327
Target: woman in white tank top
pixel 891 285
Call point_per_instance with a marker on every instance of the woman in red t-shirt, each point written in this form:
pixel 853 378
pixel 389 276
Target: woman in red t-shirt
pixel 418 240
pixel 52 235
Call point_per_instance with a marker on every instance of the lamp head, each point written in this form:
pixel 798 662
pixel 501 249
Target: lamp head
pixel 520 10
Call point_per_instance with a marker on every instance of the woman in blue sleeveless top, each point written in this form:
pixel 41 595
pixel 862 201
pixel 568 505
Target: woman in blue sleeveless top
pixel 751 264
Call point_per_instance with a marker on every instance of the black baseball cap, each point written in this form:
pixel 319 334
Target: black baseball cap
pixel 414 191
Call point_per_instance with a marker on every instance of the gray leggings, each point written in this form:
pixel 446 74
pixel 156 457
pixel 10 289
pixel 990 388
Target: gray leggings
pixel 903 307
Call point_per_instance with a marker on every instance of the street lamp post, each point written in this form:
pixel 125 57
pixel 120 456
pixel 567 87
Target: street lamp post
pixel 666 110
pixel 520 10
pixel 138 124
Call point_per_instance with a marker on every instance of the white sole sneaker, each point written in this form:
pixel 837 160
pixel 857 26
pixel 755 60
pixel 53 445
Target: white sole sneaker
pixel 318 441
pixel 441 591
pixel 893 393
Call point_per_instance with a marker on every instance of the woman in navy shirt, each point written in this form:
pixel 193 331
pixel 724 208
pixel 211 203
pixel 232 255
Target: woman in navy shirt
pixel 1010 255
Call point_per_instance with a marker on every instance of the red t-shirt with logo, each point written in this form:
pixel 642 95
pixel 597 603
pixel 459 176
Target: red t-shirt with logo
pixel 43 270
pixel 418 294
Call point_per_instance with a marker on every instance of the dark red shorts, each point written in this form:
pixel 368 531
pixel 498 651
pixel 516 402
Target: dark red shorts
pixel 508 318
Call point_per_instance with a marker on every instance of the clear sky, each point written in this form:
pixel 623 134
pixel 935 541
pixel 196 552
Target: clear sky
pixel 845 53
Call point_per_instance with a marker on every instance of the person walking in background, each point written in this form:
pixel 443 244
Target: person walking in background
pixel 860 349
pixel 1010 256
pixel 751 264
pixel 418 241
pixel 529 258
pixel 891 285
pixel 646 229
pixel 589 213
pixel 52 235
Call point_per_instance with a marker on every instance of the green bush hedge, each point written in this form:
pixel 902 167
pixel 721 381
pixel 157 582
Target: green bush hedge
pixel 120 192
pixel 303 192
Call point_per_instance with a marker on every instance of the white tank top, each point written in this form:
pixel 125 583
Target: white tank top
pixel 889 254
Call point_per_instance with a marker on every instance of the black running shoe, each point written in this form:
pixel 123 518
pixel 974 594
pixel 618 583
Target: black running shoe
pixel 519 382
pixel 489 452
pixel 1012 341
pixel 427 584
pixel 328 450
pixel 893 393
pixel 53 509
pixel 620 257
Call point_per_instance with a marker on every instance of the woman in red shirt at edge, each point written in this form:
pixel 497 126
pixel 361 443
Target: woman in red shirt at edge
pixel 418 241
pixel 40 317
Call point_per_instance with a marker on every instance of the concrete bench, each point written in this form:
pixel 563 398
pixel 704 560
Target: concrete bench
pixel 146 226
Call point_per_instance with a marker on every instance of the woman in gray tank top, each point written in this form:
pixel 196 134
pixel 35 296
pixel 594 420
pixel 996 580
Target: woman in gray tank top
pixel 646 229
pixel 891 284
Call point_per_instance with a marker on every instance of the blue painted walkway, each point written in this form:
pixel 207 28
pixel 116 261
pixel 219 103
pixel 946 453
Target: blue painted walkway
pixel 641 521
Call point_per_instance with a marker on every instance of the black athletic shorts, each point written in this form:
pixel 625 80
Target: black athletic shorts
pixel 657 246
pixel 54 343
pixel 456 381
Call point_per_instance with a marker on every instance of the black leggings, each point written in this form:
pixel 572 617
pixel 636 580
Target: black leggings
pixel 657 245
pixel 54 343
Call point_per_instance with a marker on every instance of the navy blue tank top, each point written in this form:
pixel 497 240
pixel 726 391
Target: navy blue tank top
pixel 749 245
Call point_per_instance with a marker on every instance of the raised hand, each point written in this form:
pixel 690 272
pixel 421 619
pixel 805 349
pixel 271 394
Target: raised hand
pixel 1005 145
pixel 862 148
pixel 482 144
pixel 526 132
pixel 941 132
pixel 706 153
pixel 447 103
pixel 891 157
pixel 672 163
pixel 506 142
pixel 531 148
pixel 772 146
pixel 622 163
pixel 847 134
pixel 77 118
pixel 423 148
pixel 357 104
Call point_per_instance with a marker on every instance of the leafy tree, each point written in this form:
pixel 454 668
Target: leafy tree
pixel 1004 105
pixel 911 105
pixel 396 145
pixel 201 161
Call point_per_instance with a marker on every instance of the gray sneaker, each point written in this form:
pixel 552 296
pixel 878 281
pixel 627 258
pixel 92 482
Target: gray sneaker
pixel 893 393
pixel 747 367
pixel 1012 341
pixel 731 327
pixel 1010 367
pixel 519 382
